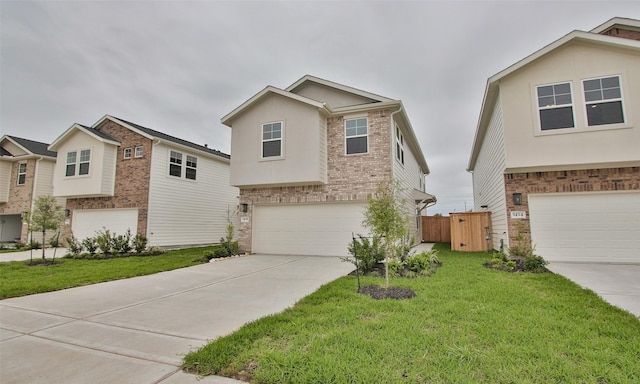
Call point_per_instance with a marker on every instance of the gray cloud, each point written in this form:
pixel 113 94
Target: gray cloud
pixel 178 67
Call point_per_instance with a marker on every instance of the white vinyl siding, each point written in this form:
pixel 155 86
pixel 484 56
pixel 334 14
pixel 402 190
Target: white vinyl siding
pixel 108 179
pixel 306 229
pixel 488 177
pixel 186 212
pixel 586 227
pixel 5 176
pixel 43 186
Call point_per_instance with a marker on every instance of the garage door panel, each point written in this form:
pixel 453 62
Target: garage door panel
pixel 306 229
pixel 586 227
pixel 87 222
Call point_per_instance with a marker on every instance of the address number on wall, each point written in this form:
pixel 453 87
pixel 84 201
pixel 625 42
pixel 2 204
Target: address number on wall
pixel 518 214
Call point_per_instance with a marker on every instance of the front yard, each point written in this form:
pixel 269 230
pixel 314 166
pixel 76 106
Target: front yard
pixel 467 324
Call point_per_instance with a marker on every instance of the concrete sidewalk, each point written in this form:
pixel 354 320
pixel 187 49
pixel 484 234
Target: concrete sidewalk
pixel 617 284
pixel 37 254
pixel 137 330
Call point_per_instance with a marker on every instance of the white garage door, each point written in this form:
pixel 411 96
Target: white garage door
pixel 306 229
pixel 87 221
pixel 586 227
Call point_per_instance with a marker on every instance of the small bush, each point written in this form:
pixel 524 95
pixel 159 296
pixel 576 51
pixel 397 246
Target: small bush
pixel 510 265
pixel 103 239
pixel 535 264
pixel 156 250
pixel 54 242
pixel 395 267
pixel 121 243
pixel 220 252
pixel 75 247
pixel 140 243
pixel 19 245
pixel 521 247
pixel 367 253
pixel 90 245
pixel 34 245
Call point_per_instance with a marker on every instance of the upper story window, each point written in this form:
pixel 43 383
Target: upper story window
pixel 399 145
pixel 603 101
pixel 272 139
pixel 175 164
pixel 192 164
pixel 126 153
pixel 139 152
pixel 356 135
pixel 79 162
pixel 22 173
pixel 555 106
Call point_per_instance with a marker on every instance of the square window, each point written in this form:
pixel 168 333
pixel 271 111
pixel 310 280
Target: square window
pixel 555 106
pixel 356 135
pixel 272 139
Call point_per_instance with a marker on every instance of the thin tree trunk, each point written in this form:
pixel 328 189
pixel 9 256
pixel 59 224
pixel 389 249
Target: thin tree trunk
pixel 43 235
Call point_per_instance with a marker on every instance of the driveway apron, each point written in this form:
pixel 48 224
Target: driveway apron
pixel 138 330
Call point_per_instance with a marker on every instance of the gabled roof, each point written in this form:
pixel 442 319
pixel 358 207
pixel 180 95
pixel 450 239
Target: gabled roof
pixel 100 136
pixel 617 22
pixel 157 135
pixel 312 79
pixel 493 83
pixel 29 146
pixel 269 90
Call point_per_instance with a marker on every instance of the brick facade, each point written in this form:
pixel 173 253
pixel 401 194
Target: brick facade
pixel 349 177
pixel 624 33
pixel 20 196
pixel 589 180
pixel 131 180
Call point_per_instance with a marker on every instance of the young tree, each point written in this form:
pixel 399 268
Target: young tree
pixel 386 216
pixel 46 215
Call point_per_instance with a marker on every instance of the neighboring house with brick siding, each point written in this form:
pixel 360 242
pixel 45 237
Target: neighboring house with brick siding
pixel 557 147
pixel 120 175
pixel 308 157
pixel 26 172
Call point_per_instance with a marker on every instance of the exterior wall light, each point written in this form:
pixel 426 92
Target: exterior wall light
pixel 244 207
pixel 517 199
pixel 67 213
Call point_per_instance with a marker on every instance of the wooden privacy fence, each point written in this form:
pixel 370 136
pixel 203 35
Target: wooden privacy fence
pixel 466 231
pixel 436 229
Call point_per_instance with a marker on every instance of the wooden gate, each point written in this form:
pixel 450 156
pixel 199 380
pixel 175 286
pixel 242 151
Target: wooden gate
pixel 436 229
pixel 469 231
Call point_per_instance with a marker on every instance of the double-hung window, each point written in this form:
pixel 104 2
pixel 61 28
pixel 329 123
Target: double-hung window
pixel 555 106
pixel 272 139
pixel 126 153
pixel 603 101
pixel 139 152
pixel 190 170
pixel 356 135
pixel 399 145
pixel 175 164
pixel 77 162
pixel 22 173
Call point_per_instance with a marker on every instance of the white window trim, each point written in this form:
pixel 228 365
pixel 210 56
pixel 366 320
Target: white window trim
pixel 399 140
pixel 585 104
pixel 124 153
pixel 262 140
pixel 22 173
pixel 78 162
pixel 135 151
pixel 349 137
pixel 186 166
pixel 183 166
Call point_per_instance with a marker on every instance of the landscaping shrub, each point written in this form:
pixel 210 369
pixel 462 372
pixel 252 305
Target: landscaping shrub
pixel 34 245
pixel 121 243
pixel 74 246
pixel 90 245
pixel 103 239
pixel 423 263
pixel 140 243
pixel 535 264
pixel 367 251
pixel 395 267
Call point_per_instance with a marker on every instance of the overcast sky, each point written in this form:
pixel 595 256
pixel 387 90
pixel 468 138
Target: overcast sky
pixel 179 66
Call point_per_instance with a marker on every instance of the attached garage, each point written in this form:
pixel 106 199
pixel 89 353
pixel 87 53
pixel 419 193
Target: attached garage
pixel 306 229
pixel 87 221
pixel 586 227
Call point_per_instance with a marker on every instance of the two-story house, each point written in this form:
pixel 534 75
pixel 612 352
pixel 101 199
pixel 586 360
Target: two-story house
pixel 308 157
pixel 122 176
pixel 26 172
pixel 557 147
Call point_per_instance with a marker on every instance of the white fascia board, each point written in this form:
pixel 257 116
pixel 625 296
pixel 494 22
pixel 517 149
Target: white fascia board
pixel 340 87
pixel 228 118
pixel 186 148
pixel 621 21
pixel 75 126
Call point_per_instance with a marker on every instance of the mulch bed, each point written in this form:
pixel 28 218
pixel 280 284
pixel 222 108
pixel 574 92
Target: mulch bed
pixel 377 292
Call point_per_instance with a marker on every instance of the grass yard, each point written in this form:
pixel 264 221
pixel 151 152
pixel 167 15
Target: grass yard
pixel 468 324
pixel 18 278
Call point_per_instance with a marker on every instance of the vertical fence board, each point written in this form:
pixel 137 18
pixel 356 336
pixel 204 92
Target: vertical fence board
pixel 469 231
pixel 436 229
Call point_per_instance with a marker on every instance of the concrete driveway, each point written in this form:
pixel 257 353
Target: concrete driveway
pixel 137 330
pixel 618 284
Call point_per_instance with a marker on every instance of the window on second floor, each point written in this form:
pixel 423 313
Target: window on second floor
pixel 272 139
pixel 555 106
pixel 356 135
pixel 192 164
pixel 603 99
pixel 126 153
pixel 77 162
pixel 139 152
pixel 22 173
pixel 399 145
pixel 175 164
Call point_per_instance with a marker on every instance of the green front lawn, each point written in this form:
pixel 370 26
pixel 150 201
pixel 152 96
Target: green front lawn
pixel 468 324
pixel 18 278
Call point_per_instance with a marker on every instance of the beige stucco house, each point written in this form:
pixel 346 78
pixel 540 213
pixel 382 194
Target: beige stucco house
pixel 557 147
pixel 26 172
pixel 307 158
pixel 122 176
